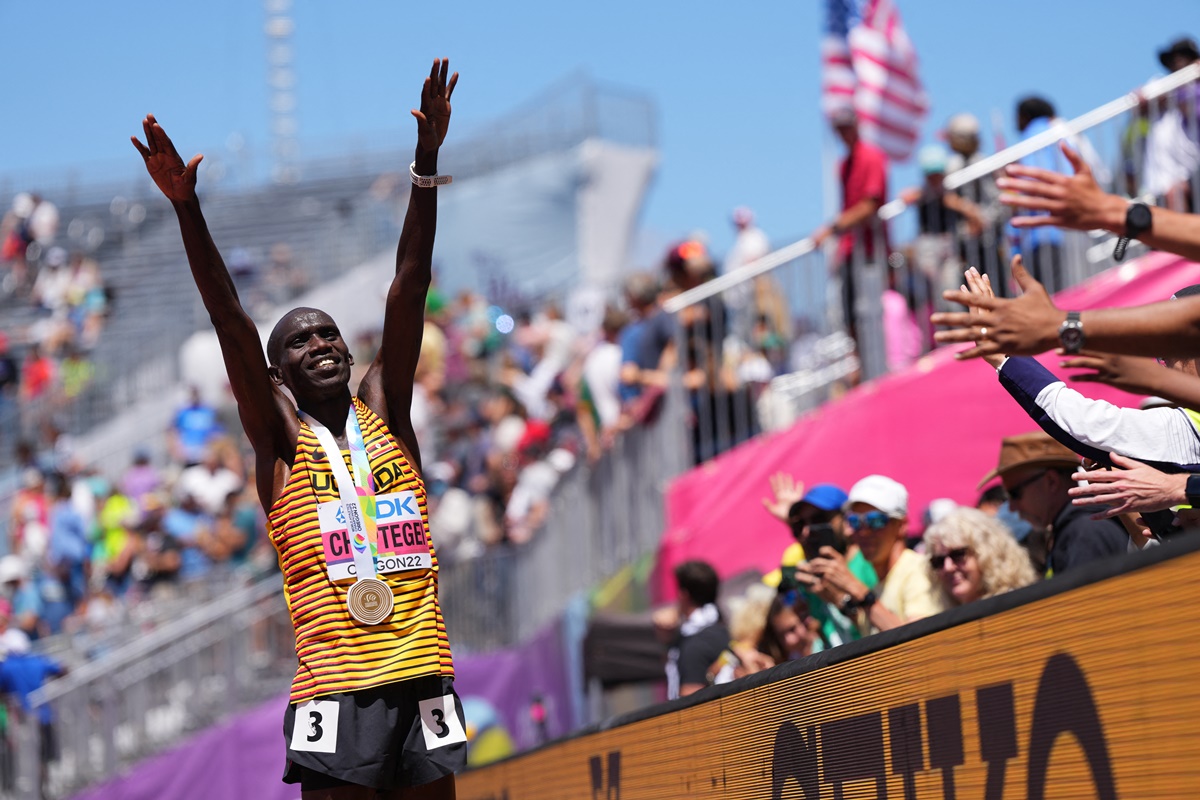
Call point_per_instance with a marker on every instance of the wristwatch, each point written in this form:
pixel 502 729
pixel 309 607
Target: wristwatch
pixel 1138 220
pixel 1070 334
pixel 1192 491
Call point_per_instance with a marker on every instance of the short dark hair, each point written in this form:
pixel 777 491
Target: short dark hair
pixel 1034 107
pixel 275 340
pixel 699 580
pixel 996 494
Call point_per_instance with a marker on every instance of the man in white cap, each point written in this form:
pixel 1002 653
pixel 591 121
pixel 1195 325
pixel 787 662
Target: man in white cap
pixel 877 515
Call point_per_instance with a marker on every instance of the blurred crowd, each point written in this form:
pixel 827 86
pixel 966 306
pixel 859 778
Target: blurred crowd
pixel 49 366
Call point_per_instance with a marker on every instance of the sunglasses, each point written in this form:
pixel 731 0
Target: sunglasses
pixel 1014 492
pixel 958 555
pixel 875 520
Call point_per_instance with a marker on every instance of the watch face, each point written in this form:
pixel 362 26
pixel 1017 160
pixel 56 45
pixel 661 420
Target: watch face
pixel 1071 338
pixel 1138 218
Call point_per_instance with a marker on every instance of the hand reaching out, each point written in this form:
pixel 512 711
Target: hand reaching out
pixel 980 286
pixel 175 179
pixel 433 120
pixel 1025 325
pixel 785 492
pixel 1135 487
pixel 1129 373
pixel 1069 201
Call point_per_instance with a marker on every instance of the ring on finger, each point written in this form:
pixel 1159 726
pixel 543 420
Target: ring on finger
pixel 983 333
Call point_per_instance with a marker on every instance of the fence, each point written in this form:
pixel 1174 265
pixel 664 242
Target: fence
pixel 223 656
pixel 601 518
pixel 750 338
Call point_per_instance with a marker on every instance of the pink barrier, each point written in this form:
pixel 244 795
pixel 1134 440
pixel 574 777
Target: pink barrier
pixel 936 427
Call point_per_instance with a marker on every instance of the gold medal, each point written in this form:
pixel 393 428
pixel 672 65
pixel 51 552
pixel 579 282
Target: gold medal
pixel 370 601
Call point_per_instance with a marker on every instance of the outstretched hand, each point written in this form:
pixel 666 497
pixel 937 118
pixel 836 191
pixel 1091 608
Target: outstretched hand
pixel 1135 487
pixel 1069 201
pixel 1025 325
pixel 1132 374
pixel 980 286
pixel 433 120
pixel 175 179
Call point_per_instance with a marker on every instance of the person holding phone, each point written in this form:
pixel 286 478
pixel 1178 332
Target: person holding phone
pixel 877 515
pixel 816 521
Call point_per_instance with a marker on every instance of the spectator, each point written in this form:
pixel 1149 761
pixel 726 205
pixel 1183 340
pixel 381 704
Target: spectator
pixel 21 674
pixel 1036 471
pixel 209 483
pixel 702 637
pixel 194 427
pixel 1042 247
pixel 761 297
pixel 862 236
pixel 816 520
pixel 141 478
pixel 984 251
pixel 878 516
pixel 599 409
pixel 10 380
pixel 943 219
pixel 973 556
pixel 1172 146
pixel 645 343
pixel 68 555
pixel 791 632
pixel 192 530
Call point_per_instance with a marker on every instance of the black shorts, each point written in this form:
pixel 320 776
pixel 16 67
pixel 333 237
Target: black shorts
pixel 407 733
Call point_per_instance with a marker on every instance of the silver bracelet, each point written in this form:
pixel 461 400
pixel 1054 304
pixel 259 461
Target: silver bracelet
pixel 427 181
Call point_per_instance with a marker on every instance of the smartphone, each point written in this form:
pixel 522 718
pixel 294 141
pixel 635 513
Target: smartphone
pixel 822 535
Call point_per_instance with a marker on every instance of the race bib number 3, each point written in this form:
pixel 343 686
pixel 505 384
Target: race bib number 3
pixel 439 722
pixel 315 728
pixel 401 541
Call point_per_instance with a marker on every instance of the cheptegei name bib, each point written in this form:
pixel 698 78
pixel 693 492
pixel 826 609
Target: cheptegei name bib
pixel 369 600
pixel 401 541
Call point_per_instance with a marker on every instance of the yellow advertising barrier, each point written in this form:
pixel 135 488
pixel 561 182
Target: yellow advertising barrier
pixel 1076 688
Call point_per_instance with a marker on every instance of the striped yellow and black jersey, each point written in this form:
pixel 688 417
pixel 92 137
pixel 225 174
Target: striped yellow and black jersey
pixel 337 654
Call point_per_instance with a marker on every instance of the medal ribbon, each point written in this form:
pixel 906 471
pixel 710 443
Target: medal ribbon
pixel 357 494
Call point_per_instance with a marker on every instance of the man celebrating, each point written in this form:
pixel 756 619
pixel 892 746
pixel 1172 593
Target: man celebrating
pixel 373 709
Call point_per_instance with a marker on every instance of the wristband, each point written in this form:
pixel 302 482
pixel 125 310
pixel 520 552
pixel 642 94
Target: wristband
pixel 427 181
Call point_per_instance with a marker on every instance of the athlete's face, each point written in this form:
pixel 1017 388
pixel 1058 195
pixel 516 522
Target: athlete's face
pixel 314 360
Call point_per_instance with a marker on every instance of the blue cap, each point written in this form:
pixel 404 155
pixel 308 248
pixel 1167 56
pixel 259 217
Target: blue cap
pixel 826 497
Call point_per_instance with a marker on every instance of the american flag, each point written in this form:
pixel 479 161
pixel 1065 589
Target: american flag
pixel 869 65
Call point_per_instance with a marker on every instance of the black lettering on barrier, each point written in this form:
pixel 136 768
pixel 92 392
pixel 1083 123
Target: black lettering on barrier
pixel 997 734
pixel 904 730
pixel 1065 705
pixel 943 718
pixel 852 750
pixel 795 758
pixel 602 789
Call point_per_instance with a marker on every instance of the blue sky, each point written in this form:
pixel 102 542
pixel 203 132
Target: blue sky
pixel 737 85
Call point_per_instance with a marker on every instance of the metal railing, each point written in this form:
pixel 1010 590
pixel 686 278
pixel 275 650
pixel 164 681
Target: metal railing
pixel 602 517
pixel 146 695
pixel 1143 144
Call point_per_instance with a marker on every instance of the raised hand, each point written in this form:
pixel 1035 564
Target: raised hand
pixel 980 286
pixel 1069 201
pixel 175 179
pixel 433 120
pixel 1023 326
pixel 1135 487
pixel 786 491
pixel 1132 374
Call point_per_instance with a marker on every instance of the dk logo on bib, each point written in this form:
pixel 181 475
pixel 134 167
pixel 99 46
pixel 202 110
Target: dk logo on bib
pixel 401 541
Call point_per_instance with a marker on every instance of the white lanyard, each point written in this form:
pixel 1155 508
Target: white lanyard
pixel 356 524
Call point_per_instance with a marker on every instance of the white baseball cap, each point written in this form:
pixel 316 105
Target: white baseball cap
pixel 880 491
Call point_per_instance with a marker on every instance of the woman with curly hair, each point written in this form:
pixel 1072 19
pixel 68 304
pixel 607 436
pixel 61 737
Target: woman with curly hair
pixel 973 556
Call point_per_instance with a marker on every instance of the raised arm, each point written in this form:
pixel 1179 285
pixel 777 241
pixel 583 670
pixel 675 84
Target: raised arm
pixel 265 411
pixel 388 385
pixel 1077 201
